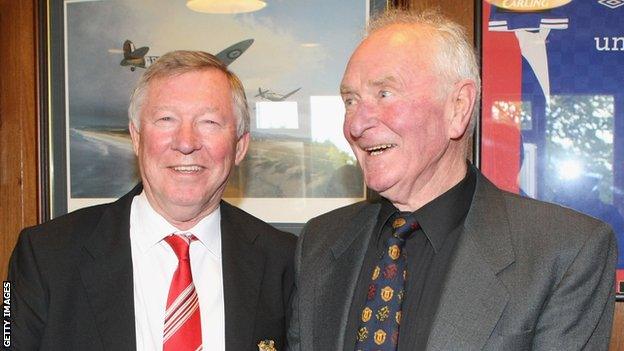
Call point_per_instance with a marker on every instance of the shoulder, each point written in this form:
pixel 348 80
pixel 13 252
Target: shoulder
pixel 542 227
pixel 339 217
pixel 68 227
pixel 75 226
pixel 341 225
pixel 548 216
pixel 265 235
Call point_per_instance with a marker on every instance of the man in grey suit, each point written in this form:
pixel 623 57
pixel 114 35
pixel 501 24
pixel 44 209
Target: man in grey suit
pixel 483 269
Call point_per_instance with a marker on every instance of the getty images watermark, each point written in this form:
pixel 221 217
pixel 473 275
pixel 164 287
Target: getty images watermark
pixel 6 314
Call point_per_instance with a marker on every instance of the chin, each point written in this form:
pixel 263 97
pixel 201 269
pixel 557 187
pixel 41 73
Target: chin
pixel 182 199
pixel 377 183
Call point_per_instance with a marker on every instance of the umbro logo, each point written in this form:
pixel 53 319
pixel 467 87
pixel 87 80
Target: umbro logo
pixel 611 3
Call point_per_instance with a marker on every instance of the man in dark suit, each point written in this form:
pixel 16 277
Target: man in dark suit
pixel 444 260
pixel 169 266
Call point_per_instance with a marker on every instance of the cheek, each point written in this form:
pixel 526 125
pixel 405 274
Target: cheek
pixel 221 149
pixel 417 117
pixel 154 145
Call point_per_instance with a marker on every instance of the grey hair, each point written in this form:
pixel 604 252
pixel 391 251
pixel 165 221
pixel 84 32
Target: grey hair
pixel 456 56
pixel 183 61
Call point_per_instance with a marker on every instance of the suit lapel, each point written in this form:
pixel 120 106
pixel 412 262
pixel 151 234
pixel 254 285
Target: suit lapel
pixel 106 272
pixel 243 266
pixel 337 278
pixel 474 297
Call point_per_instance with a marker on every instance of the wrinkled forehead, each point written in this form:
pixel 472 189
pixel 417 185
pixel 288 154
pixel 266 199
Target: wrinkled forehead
pixel 400 40
pixel 396 47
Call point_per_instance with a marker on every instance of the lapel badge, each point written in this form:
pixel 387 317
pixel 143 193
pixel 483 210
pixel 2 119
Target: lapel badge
pixel 266 345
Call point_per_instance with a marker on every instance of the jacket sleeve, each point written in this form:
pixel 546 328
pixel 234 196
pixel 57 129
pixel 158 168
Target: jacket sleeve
pixel 579 312
pixel 28 296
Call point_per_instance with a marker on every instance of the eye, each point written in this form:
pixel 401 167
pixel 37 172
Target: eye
pixel 348 101
pixel 385 94
pixel 166 119
pixel 208 121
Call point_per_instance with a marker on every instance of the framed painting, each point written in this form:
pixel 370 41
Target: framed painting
pixel 552 124
pixel 290 56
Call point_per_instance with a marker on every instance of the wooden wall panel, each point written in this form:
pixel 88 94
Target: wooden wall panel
pixel 18 122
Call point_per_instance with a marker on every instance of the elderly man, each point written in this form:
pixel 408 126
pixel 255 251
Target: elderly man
pixel 444 260
pixel 169 266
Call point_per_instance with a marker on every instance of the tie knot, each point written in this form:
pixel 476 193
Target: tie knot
pixel 404 224
pixel 180 245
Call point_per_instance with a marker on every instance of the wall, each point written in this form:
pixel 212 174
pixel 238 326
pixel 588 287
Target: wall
pixel 18 122
pixel 19 115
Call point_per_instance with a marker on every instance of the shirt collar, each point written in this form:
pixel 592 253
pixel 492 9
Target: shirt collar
pixel 151 228
pixel 443 214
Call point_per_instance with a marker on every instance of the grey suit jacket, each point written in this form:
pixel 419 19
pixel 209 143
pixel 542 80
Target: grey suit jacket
pixel 73 281
pixel 526 275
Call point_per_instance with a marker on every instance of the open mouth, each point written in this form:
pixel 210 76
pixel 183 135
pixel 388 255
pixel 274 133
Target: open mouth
pixel 187 169
pixel 378 149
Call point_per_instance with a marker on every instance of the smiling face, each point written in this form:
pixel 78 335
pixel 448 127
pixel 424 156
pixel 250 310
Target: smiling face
pixel 401 117
pixel 187 144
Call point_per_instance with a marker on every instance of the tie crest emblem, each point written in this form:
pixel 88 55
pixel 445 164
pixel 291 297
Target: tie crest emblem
pixel 394 252
pixel 376 272
pixel 386 293
pixel 362 334
pixel 381 313
pixel 366 314
pixel 399 222
pixel 380 337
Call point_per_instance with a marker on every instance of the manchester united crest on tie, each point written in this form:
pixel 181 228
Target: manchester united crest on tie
pixel 382 311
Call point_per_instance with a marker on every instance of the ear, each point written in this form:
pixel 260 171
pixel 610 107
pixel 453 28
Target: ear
pixel 462 101
pixel 135 136
pixel 241 148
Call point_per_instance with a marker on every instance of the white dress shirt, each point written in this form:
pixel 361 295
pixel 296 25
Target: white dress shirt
pixel 153 266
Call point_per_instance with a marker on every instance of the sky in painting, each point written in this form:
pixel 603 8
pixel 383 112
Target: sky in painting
pixel 99 88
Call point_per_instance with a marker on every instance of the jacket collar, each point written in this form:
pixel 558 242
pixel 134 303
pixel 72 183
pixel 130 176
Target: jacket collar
pixel 474 297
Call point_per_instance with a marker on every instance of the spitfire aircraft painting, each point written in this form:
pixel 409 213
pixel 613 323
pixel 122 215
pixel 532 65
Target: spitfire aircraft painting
pixel 138 58
pixel 273 96
pixel 291 69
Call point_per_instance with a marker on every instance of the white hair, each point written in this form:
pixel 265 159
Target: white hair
pixel 456 57
pixel 183 61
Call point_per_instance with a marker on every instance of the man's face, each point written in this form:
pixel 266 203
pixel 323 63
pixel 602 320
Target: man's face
pixel 187 144
pixel 397 112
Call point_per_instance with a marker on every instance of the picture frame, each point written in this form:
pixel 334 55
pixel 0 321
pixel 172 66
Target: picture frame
pixel 86 157
pixel 552 113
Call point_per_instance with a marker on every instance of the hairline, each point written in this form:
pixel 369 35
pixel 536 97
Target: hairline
pixel 209 62
pixel 454 56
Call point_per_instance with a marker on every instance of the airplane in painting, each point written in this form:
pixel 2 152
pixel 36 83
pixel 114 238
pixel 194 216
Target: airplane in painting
pixel 138 58
pixel 273 96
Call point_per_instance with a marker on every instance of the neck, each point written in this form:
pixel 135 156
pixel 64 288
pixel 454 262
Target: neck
pixel 430 184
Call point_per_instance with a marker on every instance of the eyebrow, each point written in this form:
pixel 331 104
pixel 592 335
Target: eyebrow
pixel 383 81
pixel 208 109
pixel 345 89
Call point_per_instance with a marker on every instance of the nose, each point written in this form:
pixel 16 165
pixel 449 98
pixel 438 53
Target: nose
pixel 186 139
pixel 362 118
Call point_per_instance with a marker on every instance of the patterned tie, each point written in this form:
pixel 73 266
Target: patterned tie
pixel 182 320
pixel 381 316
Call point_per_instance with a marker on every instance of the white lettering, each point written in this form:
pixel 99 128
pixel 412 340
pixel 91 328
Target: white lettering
pixel 6 334
pixel 609 44
pixel 615 41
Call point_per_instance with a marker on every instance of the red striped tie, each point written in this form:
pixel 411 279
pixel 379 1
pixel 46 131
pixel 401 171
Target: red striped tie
pixel 182 320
